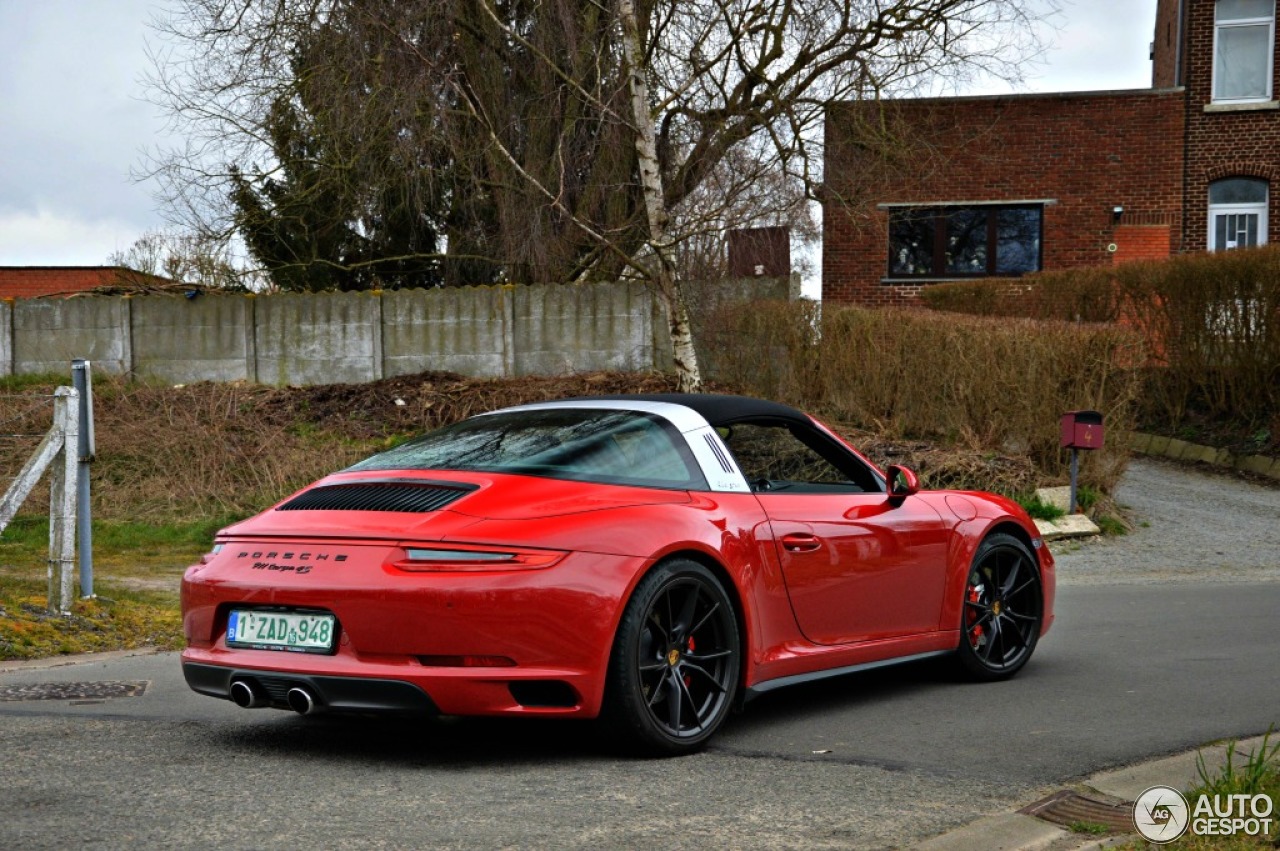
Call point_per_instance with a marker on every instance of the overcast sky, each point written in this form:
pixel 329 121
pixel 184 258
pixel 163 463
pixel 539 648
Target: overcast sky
pixel 73 122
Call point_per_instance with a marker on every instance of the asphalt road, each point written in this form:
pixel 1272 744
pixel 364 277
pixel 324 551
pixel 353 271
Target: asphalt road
pixel 1147 658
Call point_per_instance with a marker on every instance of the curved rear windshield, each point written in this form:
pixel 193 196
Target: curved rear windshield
pixel 607 446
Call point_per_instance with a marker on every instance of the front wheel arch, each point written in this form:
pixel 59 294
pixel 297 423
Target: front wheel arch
pixel 1001 608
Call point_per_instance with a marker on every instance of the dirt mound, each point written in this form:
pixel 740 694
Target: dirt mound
pixel 227 450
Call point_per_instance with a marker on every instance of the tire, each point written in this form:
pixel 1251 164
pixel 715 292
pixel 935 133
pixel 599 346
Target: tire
pixel 1003 610
pixel 674 669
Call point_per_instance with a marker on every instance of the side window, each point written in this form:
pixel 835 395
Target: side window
pixel 1243 36
pixel 773 457
pixel 958 241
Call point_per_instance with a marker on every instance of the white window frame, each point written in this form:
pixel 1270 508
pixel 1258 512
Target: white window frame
pixel 1218 27
pixel 1258 208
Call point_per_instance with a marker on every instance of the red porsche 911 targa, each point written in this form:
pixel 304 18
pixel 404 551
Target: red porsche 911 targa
pixel 655 560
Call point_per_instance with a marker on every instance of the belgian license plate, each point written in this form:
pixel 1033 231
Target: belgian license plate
pixel 302 632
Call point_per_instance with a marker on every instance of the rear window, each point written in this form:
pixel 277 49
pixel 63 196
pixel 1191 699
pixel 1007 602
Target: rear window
pixel 606 446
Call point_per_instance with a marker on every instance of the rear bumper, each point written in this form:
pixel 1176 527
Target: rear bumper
pixel 336 694
pixel 509 642
pixel 342 683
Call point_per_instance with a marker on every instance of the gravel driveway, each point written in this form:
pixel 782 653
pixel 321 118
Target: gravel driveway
pixel 1192 525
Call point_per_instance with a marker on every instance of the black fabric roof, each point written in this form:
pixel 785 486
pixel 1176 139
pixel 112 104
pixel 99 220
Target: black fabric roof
pixel 717 409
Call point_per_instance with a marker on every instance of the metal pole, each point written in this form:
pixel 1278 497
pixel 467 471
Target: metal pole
pixel 82 380
pixel 1075 470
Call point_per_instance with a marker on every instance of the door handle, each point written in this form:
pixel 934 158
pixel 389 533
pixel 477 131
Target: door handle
pixel 798 542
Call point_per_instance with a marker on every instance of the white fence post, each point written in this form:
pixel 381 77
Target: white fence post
pixel 62 500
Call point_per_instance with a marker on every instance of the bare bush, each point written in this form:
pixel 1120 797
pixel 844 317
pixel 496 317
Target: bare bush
pixel 1211 324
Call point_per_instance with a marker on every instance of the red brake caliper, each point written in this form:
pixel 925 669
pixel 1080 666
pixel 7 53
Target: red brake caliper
pixel 688 680
pixel 975 633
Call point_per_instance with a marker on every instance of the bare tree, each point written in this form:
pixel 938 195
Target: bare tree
pixel 705 78
pixel 187 258
pixel 577 139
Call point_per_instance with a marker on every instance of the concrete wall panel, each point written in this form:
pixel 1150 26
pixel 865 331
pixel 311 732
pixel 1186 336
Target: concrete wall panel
pixel 49 333
pixel 449 329
pixel 319 338
pixel 582 327
pixel 6 338
pixel 183 340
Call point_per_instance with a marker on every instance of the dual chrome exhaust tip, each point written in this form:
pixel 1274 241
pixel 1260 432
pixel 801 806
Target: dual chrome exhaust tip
pixel 249 695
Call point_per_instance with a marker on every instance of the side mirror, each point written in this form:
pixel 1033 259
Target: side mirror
pixel 902 483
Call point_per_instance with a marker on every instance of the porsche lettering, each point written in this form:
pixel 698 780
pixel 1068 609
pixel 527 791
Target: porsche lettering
pixel 282 568
pixel 317 557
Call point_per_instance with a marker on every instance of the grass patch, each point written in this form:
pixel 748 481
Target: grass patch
pixel 32 531
pixel 1087 497
pixel 1256 773
pixel 121 619
pixel 1112 525
pixel 126 548
pixel 1259 774
pixel 137 568
pixel 1088 827
pixel 1039 510
pixel 40 381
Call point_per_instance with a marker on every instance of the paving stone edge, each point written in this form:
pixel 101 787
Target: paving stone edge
pixel 1181 450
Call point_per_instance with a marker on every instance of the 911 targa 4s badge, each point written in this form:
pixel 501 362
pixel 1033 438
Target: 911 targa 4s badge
pixel 655 560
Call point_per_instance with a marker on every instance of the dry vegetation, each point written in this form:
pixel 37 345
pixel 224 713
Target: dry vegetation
pixel 988 390
pixel 218 451
pixel 235 448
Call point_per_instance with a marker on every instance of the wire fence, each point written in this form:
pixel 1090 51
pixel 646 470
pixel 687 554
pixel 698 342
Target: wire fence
pixel 25 418
pixel 55 454
pixel 43 406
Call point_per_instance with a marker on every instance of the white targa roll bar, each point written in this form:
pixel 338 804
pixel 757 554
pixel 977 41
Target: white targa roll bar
pixel 59 453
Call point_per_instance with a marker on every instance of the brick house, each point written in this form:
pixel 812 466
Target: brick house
pixel 1004 185
pixel 40 281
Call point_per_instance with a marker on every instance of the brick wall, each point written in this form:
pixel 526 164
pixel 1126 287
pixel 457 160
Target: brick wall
pixel 1243 141
pixel 1086 153
pixel 1141 242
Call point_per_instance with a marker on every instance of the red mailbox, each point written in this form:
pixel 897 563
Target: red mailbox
pixel 1082 430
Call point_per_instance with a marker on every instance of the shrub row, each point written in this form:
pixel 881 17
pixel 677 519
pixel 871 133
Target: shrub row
pixel 997 385
pixel 1211 323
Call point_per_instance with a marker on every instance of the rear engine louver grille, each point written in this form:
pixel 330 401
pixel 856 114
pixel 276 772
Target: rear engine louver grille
pixel 376 497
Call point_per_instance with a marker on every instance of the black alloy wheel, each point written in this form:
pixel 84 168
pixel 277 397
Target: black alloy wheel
pixel 675 664
pixel 1003 609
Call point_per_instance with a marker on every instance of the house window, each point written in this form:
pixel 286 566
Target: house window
pixel 956 242
pixel 1243 38
pixel 1237 213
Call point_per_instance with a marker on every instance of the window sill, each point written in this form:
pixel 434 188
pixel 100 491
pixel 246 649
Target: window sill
pixel 1247 106
pixel 944 280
